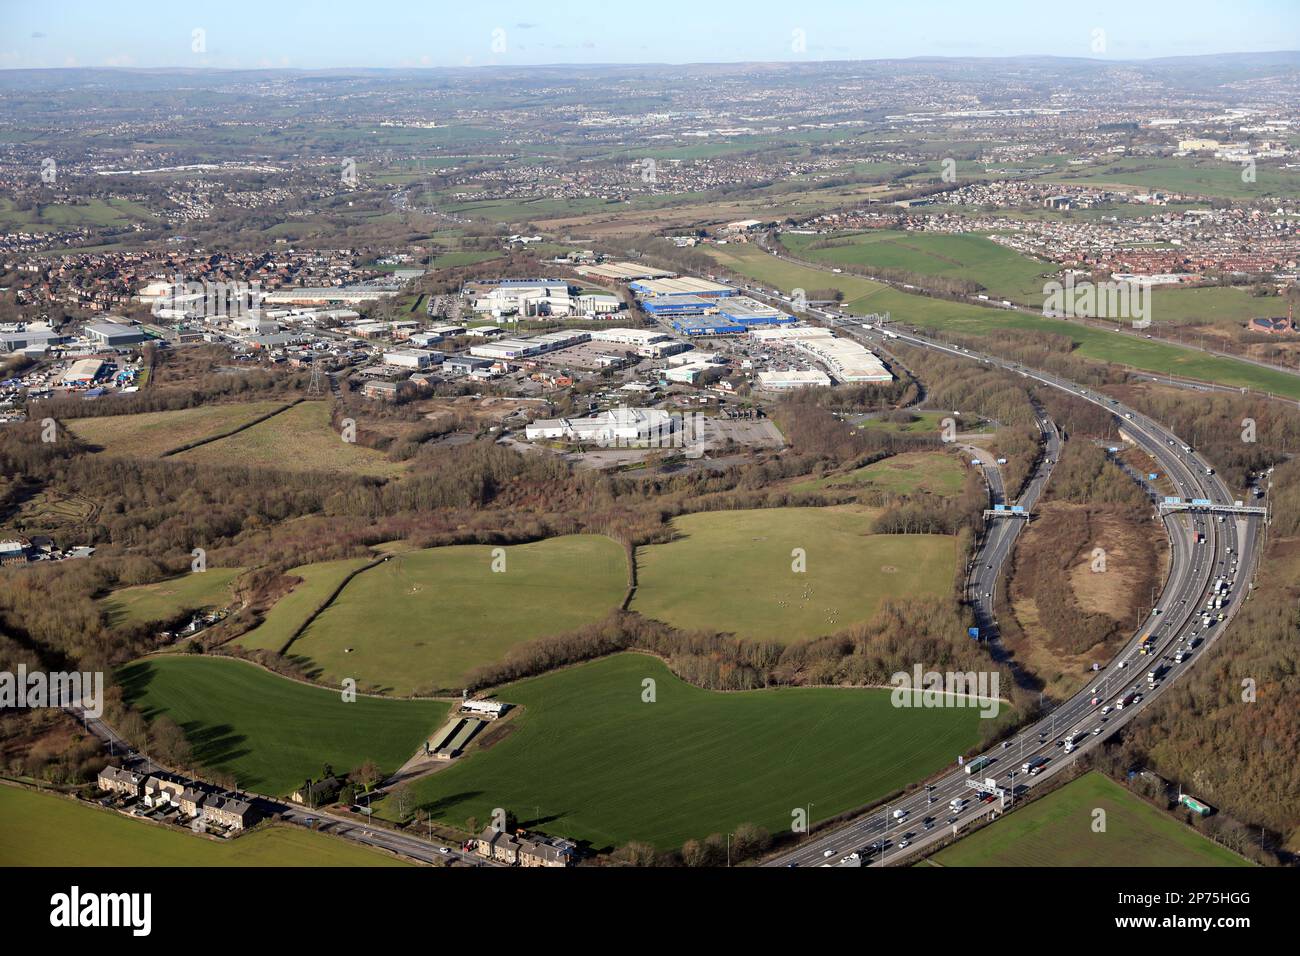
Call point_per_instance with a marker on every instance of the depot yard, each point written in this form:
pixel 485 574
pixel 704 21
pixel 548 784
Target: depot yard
pixel 272 733
pixel 423 619
pixel 1057 830
pixel 587 758
pixel 47 830
pixel 165 600
pixel 929 472
pixel 733 570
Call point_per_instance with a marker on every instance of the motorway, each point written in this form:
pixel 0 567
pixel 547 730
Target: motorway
pixel 322 821
pixel 926 816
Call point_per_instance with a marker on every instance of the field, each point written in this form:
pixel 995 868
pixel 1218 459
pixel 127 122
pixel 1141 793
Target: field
pixel 292 610
pixel 1220 179
pixel 932 472
pixel 45 830
pixel 300 439
pixel 149 434
pixel 588 759
pixel 863 296
pixel 166 599
pixel 732 570
pixel 52 217
pixel 424 619
pixel 1057 831
pixel 269 731
pixel 969 257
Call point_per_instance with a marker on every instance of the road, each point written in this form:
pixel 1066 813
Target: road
pixel 926 817
pixel 405 844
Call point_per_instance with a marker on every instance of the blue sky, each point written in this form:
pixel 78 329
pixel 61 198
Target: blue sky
pixel 330 33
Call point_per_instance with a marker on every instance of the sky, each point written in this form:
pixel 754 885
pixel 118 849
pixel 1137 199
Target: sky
pixel 237 34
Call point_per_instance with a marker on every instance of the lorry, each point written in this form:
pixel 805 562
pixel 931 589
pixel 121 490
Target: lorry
pixel 1125 700
pixel 1032 767
pixel 978 764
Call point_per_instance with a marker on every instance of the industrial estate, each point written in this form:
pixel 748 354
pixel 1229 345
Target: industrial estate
pixel 829 463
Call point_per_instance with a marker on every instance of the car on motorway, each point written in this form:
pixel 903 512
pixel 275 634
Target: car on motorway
pixel 828 853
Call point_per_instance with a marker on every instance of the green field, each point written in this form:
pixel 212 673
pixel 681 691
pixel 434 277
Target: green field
pixel 167 599
pixel 1057 831
pixel 1200 177
pixel 732 571
pixel 300 439
pixel 864 296
pixel 423 619
pixel 42 829
pixel 52 217
pixel 149 434
pixel 293 610
pixel 588 759
pixel 969 257
pixel 272 732
pixel 932 472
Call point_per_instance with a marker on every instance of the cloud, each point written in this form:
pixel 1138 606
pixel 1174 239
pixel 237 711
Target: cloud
pixel 38 35
pixel 525 26
pixel 124 60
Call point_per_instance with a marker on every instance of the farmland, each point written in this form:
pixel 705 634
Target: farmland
pixel 967 256
pixel 862 296
pixel 1216 179
pixel 935 473
pixel 150 434
pixel 167 599
pixel 269 731
pixel 299 439
pixel 293 610
pixel 424 619
pixel 589 759
pixel 733 569
pixel 1057 830
pixel 47 830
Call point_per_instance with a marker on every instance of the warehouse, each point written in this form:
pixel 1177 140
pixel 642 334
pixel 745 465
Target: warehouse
pixel 616 427
pixel 780 381
pixel 113 335
pixel 83 372
pixel 682 285
pixel 846 359
pixel 679 305
pixel 412 358
pixel 623 271
pixel 708 325
pixel 745 311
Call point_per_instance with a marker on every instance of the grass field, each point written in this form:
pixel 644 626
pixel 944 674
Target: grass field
pixel 149 434
pixel 423 619
pixel 1200 177
pixel 52 217
pixel 969 257
pixel 300 439
pixel 272 732
pixel 588 759
pixel 1057 831
pixel 863 296
pixel 46 830
pixel 166 599
pixel 933 472
pixel 292 610
pixel 731 570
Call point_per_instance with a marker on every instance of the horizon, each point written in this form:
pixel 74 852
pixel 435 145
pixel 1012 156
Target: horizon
pixel 330 37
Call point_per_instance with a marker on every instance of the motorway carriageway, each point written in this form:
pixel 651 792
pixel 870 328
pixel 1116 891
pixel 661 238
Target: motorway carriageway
pixel 1175 619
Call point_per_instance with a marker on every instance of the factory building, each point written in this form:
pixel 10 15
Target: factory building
pixel 781 381
pixel 114 335
pixel 681 286
pixel 412 358
pixel 618 426
pixel 846 360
